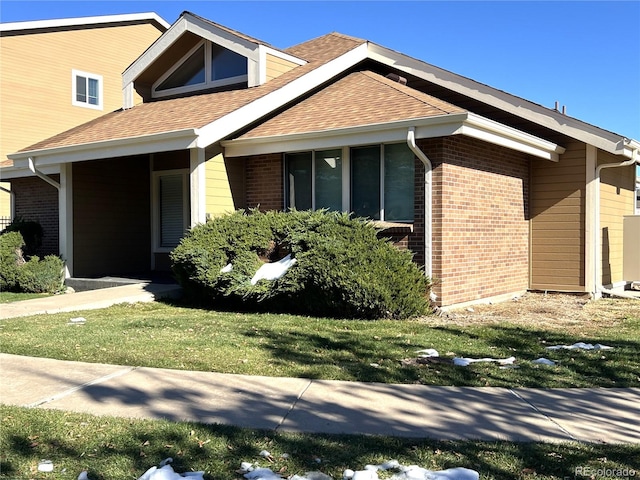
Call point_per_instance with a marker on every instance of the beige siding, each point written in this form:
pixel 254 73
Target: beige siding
pixel 616 200
pixel 224 185
pixel 557 222
pixel 277 66
pixel 36 78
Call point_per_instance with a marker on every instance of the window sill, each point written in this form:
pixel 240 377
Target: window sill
pixel 393 227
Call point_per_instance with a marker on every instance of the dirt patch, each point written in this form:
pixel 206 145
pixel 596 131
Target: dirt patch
pixel 552 311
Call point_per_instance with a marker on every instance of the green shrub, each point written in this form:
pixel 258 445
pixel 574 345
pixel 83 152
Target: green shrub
pixel 11 244
pixel 41 276
pixel 31 232
pixel 343 269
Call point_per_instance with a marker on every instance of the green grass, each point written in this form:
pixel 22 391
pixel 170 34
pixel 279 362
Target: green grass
pixel 162 335
pixel 8 297
pixel 117 449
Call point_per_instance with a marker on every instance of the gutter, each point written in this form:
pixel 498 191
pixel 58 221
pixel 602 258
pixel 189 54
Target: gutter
pixel 411 142
pixel 597 240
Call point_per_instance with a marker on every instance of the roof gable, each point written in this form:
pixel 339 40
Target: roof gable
pixel 186 34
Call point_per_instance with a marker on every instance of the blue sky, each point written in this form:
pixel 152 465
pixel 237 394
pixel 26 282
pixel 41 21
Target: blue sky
pixel 585 55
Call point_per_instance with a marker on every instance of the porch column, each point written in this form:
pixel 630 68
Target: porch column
pixel 197 185
pixel 65 217
pixel 590 221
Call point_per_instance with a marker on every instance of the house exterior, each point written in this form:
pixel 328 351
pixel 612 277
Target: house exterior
pixel 494 194
pixel 84 59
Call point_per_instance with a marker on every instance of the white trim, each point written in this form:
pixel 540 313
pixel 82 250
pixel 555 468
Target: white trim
pixel 427 127
pixel 208 82
pixel 197 183
pixel 547 117
pixel 159 142
pixel 65 218
pixel 89 76
pixel 155 196
pixel 283 55
pixel 81 21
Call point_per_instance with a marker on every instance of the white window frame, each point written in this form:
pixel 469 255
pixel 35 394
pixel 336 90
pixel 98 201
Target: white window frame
pixel 157 224
pixel 346 178
pixel 208 83
pixel 74 101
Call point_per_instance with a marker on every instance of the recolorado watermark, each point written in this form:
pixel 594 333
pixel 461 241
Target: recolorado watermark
pixel 602 473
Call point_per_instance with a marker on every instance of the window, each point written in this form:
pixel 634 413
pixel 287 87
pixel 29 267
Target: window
pixel 87 90
pixel 375 181
pixel 171 208
pixel 207 65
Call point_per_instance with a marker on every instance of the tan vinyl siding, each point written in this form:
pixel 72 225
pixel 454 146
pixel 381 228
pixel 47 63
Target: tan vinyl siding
pixel 276 66
pixel 224 185
pixel 36 78
pixel 616 201
pixel 557 222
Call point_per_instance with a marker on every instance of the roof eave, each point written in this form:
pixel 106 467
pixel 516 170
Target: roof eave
pixel 80 21
pixel 144 144
pixel 554 120
pixel 467 124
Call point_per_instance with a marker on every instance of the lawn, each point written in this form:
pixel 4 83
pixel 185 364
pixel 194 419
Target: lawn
pixel 172 336
pixel 8 297
pixel 117 449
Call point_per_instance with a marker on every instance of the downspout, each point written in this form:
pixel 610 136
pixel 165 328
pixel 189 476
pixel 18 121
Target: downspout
pixel 411 142
pixel 597 267
pixel 39 174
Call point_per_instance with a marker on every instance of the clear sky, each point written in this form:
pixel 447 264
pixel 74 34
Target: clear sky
pixel 583 54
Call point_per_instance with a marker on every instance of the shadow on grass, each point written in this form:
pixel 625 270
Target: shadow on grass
pixel 125 449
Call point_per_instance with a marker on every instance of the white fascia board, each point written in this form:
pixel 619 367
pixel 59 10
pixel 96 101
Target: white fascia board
pixel 161 142
pixel 80 21
pixel 223 38
pixel 499 134
pixel 549 118
pixel 154 51
pixel 7 173
pixel 426 127
pixel 257 109
pixel 283 55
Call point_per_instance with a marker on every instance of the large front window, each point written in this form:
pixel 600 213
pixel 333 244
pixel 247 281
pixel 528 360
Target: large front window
pixel 375 181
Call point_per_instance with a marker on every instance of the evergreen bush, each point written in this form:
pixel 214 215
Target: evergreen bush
pixel 342 268
pixel 11 244
pixel 41 276
pixel 31 232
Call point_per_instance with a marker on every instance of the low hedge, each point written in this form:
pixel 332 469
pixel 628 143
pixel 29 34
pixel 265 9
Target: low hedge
pixel 33 275
pixel 342 269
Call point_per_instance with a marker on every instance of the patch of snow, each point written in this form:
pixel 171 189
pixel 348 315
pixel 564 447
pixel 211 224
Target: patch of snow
pixel 227 268
pixel 428 353
pixel 544 361
pixel 274 270
pixel 465 362
pixel 580 346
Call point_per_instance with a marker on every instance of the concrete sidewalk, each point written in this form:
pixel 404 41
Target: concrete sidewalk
pixel 89 300
pixel 320 406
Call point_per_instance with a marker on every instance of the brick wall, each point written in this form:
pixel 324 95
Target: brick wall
pixel 264 182
pixel 37 200
pixel 480 219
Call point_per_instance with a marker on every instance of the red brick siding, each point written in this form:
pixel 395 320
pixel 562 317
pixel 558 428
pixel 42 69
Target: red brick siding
pixel 264 182
pixel 480 219
pixel 37 200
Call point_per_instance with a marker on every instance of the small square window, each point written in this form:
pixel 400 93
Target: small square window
pixel 87 90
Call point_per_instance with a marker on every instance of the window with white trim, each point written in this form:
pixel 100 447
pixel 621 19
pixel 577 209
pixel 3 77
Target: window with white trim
pixel 171 208
pixel 205 66
pixel 86 90
pixel 373 181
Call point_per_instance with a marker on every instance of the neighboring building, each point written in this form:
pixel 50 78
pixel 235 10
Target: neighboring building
pixel 57 74
pixel 494 194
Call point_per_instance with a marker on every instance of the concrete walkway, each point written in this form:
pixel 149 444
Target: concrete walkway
pixel 305 405
pixel 321 406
